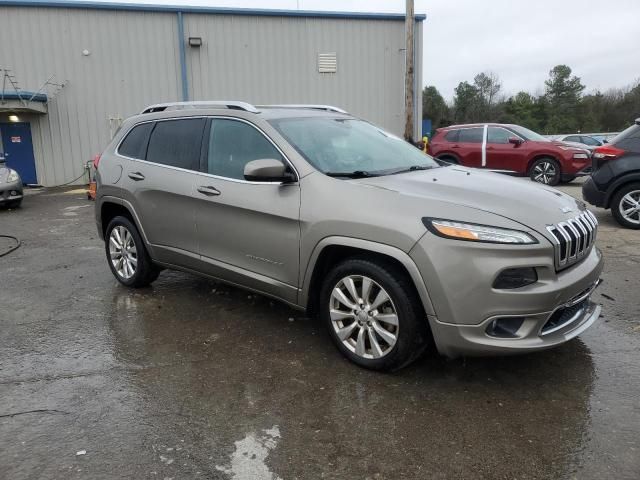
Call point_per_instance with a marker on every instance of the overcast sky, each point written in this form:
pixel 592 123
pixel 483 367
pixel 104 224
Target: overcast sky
pixel 518 40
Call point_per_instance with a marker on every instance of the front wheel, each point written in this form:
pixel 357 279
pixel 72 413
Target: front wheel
pixel 373 314
pixel 546 171
pixel 127 255
pixel 625 206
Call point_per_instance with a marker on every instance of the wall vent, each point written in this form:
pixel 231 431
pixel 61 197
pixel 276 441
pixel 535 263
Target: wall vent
pixel 327 63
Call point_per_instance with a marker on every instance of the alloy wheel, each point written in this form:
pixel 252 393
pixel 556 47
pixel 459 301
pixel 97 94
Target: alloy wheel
pixel 630 207
pixel 544 172
pixel 363 317
pixel 123 253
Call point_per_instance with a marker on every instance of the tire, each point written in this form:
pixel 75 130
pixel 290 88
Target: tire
pixel 411 331
pixel 135 269
pixel 623 200
pixel 546 171
pixel 15 204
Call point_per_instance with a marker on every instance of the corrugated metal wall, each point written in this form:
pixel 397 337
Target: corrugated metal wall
pixel 134 61
pixel 274 60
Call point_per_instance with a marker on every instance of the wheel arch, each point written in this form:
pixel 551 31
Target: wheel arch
pixel 331 250
pixel 618 184
pixel 540 156
pixel 446 154
pixel 111 207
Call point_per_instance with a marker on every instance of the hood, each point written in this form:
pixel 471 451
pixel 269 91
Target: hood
pixel 518 199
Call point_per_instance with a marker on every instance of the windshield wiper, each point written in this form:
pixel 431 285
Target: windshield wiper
pixel 355 174
pixel 412 168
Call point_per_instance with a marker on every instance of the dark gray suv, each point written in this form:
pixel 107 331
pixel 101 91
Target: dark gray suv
pixel 329 213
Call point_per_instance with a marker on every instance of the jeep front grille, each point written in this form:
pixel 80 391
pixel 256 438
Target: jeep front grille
pixel 573 239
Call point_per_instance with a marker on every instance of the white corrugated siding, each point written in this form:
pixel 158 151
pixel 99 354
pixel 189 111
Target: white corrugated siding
pixel 135 62
pixel 275 60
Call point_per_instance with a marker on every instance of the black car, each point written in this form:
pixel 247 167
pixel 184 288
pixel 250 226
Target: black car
pixel 615 181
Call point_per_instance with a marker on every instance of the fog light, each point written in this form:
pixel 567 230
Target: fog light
pixel 505 327
pixel 13 193
pixel 515 278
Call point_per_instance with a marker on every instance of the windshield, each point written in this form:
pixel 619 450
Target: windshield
pixel 528 134
pixel 345 146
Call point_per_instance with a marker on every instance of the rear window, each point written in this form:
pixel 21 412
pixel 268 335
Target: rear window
pixel 471 135
pixel 177 143
pixel 452 136
pixel 134 144
pixel 629 139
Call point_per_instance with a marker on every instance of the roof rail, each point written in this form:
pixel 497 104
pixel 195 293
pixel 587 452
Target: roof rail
pixel 232 104
pixel 328 108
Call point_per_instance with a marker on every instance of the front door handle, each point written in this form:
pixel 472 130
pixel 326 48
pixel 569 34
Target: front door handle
pixel 208 190
pixel 137 176
pixel 455 146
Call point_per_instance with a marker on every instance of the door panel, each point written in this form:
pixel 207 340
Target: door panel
pixel 18 149
pixel 248 232
pixel 502 155
pixel 163 200
pixel 253 227
pixel 469 146
pixel 161 188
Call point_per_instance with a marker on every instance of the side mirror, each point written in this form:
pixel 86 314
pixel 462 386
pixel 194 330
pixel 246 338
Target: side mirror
pixel 605 141
pixel 268 170
pixel 515 141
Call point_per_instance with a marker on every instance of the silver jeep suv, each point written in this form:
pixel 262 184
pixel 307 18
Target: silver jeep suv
pixel 307 204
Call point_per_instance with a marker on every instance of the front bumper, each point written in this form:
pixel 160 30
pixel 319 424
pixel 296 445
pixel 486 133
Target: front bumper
pixel 592 195
pixel 459 277
pixel 10 192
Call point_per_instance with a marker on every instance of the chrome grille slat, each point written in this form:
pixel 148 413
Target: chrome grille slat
pixel 573 239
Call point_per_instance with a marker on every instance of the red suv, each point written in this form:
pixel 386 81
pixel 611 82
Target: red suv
pixel 510 149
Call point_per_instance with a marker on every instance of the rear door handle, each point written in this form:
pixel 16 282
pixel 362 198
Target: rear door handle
pixel 137 176
pixel 208 190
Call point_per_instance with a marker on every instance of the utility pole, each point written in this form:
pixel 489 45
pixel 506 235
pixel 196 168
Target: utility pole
pixel 409 73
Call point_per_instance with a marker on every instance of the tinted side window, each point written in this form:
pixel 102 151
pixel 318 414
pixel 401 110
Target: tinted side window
pixel 135 143
pixel 629 139
pixel 452 136
pixel 498 135
pixel 232 144
pixel 177 143
pixel 573 138
pixel 590 141
pixel 471 135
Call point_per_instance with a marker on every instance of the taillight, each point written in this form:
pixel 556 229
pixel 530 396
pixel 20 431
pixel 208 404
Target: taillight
pixel 607 152
pixel 96 161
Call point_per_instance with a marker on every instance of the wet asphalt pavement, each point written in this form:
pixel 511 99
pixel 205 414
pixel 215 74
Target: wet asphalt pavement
pixel 193 379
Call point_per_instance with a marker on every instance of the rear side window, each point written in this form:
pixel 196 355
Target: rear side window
pixel 573 138
pixel 134 144
pixel 471 135
pixel 452 136
pixel 629 139
pixel 177 143
pixel 232 144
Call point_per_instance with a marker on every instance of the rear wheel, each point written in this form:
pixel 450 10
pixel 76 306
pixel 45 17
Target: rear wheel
pixel 625 206
pixel 373 314
pixel 545 170
pixel 127 255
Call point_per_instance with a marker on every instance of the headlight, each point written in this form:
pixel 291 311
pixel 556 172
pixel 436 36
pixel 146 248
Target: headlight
pixel 476 233
pixel 580 155
pixel 13 176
